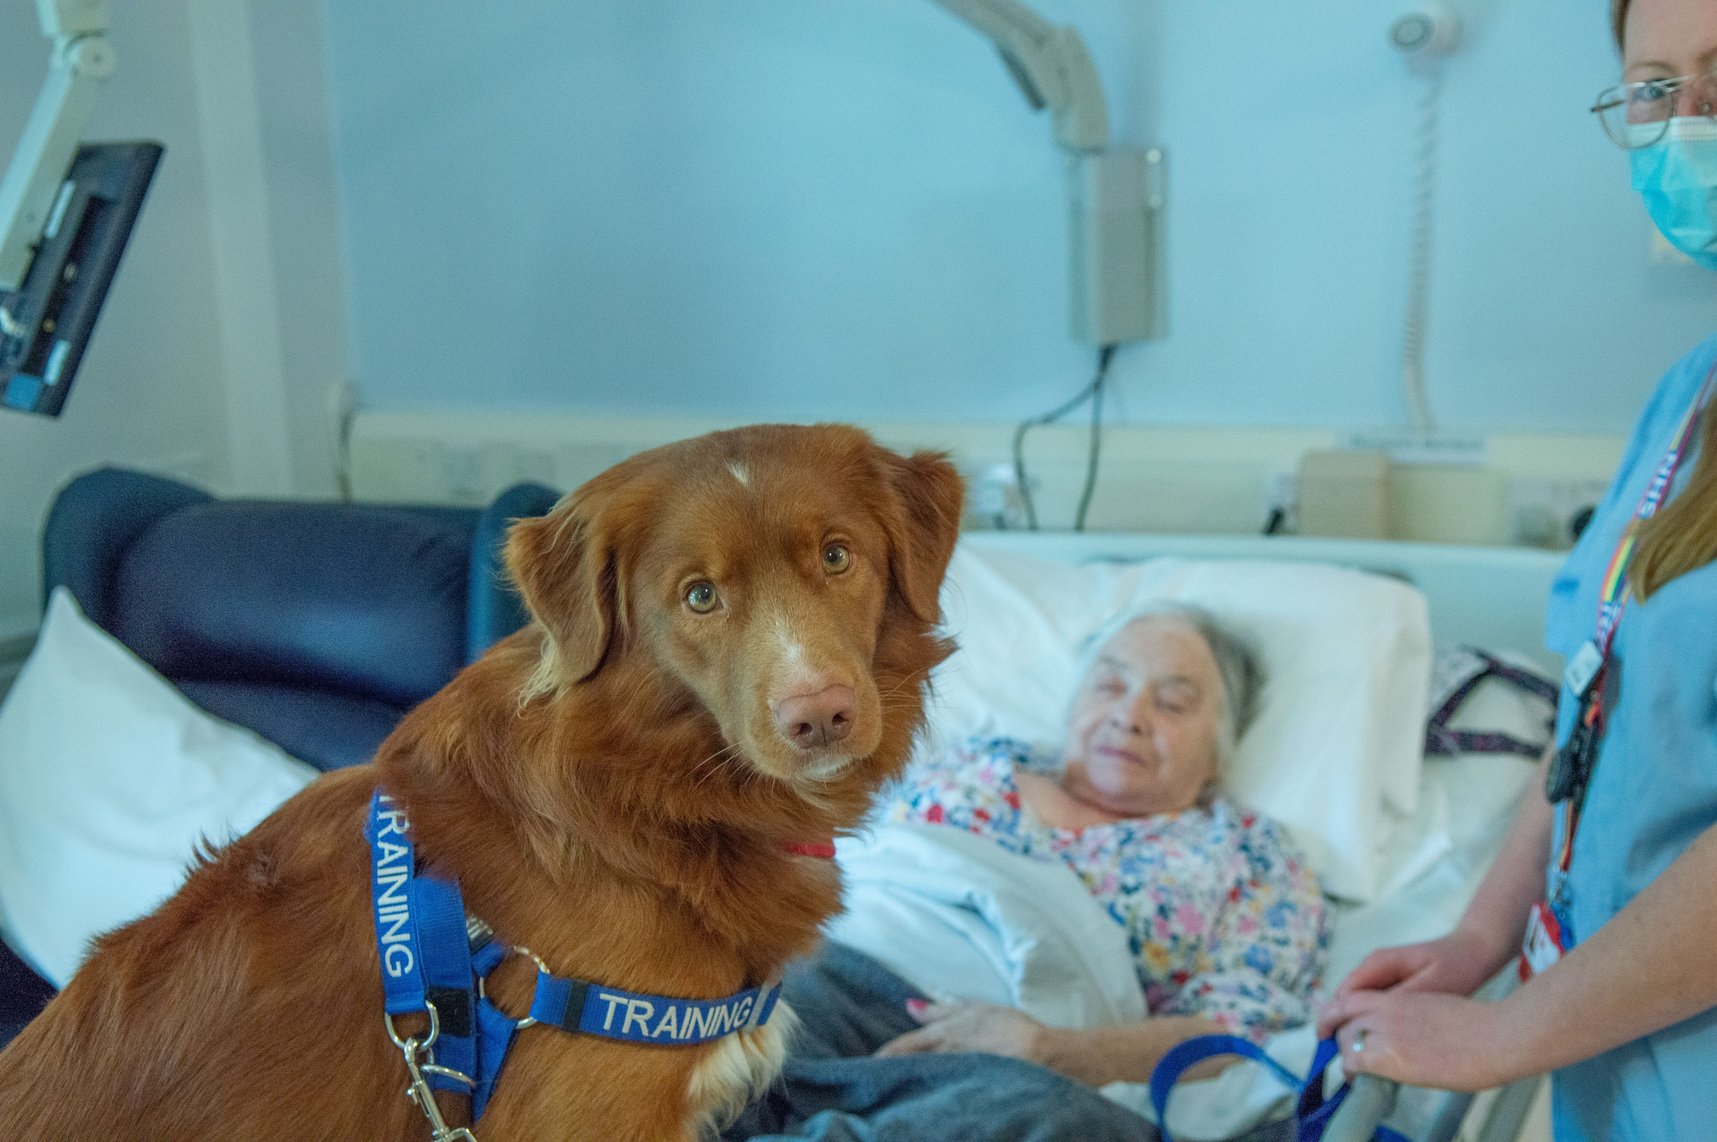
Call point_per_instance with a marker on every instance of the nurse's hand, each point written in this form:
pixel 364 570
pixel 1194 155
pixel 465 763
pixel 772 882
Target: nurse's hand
pixel 1459 964
pixel 1428 1039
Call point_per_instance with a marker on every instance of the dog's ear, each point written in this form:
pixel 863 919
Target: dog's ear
pixel 922 526
pixel 566 568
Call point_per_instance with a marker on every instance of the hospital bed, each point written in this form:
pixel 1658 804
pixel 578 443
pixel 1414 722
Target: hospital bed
pixel 1362 617
pixel 1019 603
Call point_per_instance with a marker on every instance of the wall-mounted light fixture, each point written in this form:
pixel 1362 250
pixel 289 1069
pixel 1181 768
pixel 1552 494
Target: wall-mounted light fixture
pixel 1116 194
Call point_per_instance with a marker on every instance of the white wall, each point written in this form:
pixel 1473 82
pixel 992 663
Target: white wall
pixel 223 334
pixel 819 208
pixel 296 189
pixel 822 208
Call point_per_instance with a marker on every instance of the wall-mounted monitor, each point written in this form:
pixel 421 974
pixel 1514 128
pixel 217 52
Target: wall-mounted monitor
pixel 47 321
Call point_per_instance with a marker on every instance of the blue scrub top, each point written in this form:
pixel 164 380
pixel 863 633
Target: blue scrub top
pixel 1654 788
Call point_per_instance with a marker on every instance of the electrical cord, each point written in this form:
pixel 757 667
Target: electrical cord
pixel 1092 450
pixel 1092 392
pixel 348 416
pixel 1419 261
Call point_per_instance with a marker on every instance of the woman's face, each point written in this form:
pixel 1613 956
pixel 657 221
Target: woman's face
pixel 1142 735
pixel 1663 38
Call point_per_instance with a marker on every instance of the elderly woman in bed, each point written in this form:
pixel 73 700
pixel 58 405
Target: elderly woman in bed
pixel 1226 923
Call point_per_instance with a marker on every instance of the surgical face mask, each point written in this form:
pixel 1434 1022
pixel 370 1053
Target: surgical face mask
pixel 1677 178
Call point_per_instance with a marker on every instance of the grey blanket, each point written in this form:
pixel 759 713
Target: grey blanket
pixel 833 1090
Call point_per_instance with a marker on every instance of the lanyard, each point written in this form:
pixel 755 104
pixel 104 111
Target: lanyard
pixel 1615 589
pixel 1587 669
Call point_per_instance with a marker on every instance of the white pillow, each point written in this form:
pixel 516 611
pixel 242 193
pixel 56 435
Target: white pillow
pixel 109 779
pixel 1335 750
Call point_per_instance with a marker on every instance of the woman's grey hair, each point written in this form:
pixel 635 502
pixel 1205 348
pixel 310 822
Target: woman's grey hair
pixel 1237 665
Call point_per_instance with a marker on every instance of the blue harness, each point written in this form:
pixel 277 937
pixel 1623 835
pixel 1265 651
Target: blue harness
pixel 435 959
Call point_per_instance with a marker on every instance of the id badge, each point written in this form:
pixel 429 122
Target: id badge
pixel 1583 668
pixel 1544 943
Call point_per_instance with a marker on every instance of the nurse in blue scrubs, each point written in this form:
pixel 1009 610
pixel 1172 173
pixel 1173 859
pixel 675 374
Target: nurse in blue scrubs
pixel 1609 876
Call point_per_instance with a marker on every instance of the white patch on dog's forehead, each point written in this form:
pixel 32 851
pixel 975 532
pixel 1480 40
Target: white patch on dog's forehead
pixel 739 473
pixel 792 650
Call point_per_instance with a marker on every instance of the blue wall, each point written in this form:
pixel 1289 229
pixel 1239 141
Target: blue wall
pixel 843 208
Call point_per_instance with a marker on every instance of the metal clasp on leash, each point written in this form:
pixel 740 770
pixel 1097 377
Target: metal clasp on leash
pixel 419 1058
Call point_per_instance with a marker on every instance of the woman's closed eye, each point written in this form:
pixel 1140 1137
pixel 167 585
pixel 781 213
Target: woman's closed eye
pixel 1108 685
pixel 1177 698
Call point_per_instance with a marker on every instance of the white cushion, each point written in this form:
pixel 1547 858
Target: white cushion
pixel 109 780
pixel 1334 753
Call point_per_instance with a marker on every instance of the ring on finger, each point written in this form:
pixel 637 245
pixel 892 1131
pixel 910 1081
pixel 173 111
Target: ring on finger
pixel 1359 1041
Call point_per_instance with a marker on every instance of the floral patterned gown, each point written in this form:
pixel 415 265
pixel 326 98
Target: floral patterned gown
pixel 1224 918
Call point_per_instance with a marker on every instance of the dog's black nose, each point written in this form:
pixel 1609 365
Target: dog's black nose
pixel 813 720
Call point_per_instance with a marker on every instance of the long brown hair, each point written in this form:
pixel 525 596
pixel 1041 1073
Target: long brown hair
pixel 1683 535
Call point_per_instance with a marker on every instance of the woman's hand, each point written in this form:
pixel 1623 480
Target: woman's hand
pixel 1403 1014
pixel 1457 964
pixel 971 1026
pixel 1430 1039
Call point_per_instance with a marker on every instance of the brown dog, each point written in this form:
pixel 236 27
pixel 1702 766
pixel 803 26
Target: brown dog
pixel 732 640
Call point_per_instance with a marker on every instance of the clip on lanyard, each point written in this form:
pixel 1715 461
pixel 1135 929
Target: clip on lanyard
pixel 1547 935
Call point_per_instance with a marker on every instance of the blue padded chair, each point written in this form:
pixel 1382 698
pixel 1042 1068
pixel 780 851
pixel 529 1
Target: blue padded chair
pixel 316 624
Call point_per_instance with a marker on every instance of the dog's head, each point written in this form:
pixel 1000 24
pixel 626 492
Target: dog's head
pixel 784 579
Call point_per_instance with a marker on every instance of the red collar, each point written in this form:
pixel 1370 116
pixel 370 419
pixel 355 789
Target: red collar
pixel 823 849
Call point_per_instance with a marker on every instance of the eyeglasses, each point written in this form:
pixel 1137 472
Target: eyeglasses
pixel 1637 115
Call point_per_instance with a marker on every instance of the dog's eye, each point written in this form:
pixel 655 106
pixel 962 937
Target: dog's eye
pixel 836 558
pixel 701 597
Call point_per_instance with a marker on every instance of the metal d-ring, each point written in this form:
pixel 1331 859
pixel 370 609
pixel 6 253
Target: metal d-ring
pixel 418 1089
pixel 414 1044
pixel 483 991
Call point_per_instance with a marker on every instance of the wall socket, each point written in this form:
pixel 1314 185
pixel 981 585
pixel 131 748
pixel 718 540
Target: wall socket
pixel 994 501
pixel 1282 503
pixel 1544 512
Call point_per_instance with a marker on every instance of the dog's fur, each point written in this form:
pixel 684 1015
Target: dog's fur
pixel 610 788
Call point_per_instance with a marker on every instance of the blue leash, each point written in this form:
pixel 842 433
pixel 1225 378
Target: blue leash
pixel 1312 1112
pixel 435 959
